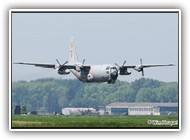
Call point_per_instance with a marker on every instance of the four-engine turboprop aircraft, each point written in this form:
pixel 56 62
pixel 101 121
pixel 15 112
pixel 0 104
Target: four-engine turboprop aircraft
pixel 92 73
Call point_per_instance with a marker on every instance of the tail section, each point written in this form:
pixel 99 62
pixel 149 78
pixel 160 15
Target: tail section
pixel 73 59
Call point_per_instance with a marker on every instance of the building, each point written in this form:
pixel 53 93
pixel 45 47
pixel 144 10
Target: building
pixel 101 110
pixel 123 108
pixel 78 111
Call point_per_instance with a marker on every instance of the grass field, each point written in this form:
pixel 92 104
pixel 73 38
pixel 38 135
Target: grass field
pixel 39 121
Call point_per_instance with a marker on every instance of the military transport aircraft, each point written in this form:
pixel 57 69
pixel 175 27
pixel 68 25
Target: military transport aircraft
pixel 92 73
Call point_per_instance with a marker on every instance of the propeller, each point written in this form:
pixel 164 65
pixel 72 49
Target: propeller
pixel 120 67
pixel 58 62
pixel 83 62
pixel 123 63
pixel 141 67
pixel 60 66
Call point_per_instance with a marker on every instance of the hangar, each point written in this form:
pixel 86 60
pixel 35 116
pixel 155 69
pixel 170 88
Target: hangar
pixel 124 108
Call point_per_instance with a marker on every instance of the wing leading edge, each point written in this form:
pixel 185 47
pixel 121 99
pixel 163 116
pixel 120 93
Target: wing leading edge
pixel 140 68
pixel 39 65
pixel 58 67
pixel 146 66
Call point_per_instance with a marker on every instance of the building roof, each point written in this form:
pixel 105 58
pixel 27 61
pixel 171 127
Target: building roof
pixel 126 104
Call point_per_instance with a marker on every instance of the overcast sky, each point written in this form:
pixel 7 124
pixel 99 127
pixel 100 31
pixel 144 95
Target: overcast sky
pixel 100 38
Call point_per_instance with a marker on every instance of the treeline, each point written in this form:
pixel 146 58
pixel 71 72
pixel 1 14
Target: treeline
pixel 51 95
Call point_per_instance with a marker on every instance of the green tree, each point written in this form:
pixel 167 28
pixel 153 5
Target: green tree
pixel 146 95
pixel 50 95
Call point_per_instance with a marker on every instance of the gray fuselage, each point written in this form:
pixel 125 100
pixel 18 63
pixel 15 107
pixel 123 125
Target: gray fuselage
pixel 97 73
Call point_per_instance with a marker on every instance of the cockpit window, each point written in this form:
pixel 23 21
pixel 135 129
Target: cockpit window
pixel 113 68
pixel 108 67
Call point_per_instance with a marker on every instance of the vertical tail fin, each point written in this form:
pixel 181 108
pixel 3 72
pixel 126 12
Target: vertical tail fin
pixel 73 59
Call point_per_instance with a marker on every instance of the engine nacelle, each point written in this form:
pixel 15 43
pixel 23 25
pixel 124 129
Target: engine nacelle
pixel 63 72
pixel 138 68
pixel 124 72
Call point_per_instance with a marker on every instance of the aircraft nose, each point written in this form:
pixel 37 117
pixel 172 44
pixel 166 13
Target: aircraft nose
pixel 114 75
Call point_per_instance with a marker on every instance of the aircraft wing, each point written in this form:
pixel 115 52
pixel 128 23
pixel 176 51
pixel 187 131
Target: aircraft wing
pixel 139 68
pixel 48 65
pixel 59 67
pixel 38 65
pixel 145 66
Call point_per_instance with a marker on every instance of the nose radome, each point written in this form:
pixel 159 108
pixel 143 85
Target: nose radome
pixel 114 75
